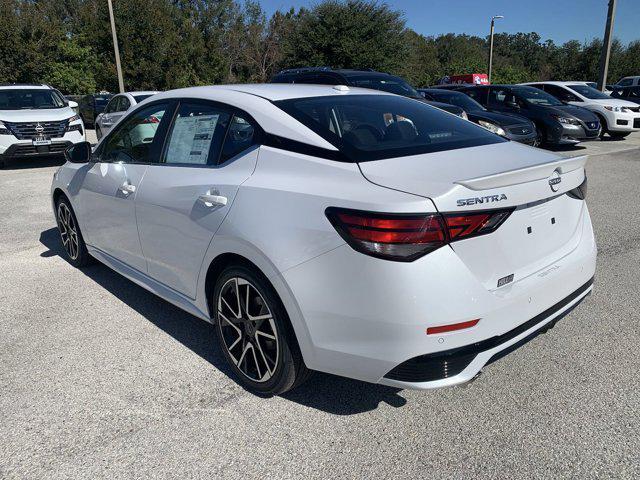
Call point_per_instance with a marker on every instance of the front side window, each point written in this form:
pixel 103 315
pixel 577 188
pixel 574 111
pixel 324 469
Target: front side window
pixel 373 127
pixel 123 104
pixel 535 96
pixel 561 93
pixel 197 135
pixel 588 92
pixel 478 94
pixel 625 82
pixel 132 141
pixel 29 99
pixel 111 107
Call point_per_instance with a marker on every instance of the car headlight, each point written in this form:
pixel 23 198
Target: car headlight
pixel 74 118
pixel 77 127
pixel 614 109
pixel 567 120
pixel 4 130
pixel 492 127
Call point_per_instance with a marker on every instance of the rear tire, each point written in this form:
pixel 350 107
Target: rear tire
pixel 70 234
pixel 254 332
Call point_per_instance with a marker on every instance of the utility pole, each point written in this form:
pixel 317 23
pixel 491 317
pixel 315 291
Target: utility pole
pixel 493 19
pixel 606 46
pixel 115 47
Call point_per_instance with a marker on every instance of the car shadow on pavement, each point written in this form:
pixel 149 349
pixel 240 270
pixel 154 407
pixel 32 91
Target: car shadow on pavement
pixel 40 162
pixel 328 393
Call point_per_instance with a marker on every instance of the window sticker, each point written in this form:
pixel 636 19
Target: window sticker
pixel 191 139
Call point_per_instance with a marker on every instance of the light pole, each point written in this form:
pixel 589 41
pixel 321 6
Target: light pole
pixel 606 46
pixel 115 47
pixel 493 19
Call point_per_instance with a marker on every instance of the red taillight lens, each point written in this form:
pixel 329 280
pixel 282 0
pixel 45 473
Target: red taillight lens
pixel 151 119
pixel 471 224
pixel 405 237
pixel 392 236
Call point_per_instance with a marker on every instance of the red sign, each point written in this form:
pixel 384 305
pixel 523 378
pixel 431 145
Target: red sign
pixel 472 78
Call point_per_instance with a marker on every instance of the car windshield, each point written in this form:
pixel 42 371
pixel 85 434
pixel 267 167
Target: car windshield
pixel 460 99
pixel 373 127
pixel 589 92
pixel 536 96
pixel 140 98
pixel 30 98
pixel 386 84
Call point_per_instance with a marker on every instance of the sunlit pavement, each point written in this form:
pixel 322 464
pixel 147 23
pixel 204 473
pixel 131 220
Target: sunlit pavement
pixel 101 379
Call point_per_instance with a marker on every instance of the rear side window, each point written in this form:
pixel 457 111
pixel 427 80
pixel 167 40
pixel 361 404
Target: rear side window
pixel 373 127
pixel 240 136
pixel 196 135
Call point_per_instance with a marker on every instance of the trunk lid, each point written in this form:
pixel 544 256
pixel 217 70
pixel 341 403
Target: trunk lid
pixel 544 226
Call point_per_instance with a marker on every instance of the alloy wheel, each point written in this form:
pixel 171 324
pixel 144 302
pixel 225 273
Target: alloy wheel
pixel 248 329
pixel 68 231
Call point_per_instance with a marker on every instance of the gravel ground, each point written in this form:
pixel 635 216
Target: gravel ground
pixel 100 379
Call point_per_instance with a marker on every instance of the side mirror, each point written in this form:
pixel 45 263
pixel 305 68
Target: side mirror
pixel 78 153
pixel 73 105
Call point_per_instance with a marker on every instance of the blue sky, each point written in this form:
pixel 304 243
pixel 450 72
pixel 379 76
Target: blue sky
pixel 559 20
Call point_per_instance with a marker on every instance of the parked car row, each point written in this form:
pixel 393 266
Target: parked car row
pixel 537 113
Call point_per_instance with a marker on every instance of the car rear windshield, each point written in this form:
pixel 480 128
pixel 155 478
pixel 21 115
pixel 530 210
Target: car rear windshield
pixel 31 98
pixel 140 98
pixel 589 92
pixel 387 83
pixel 467 103
pixel 373 127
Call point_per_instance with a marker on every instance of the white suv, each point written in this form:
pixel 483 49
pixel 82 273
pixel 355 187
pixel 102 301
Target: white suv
pixel 36 120
pixel 618 117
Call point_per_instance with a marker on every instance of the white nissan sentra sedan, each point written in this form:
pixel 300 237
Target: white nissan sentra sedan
pixel 337 229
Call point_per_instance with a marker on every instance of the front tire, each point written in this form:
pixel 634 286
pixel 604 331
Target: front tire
pixel 619 135
pixel 70 235
pixel 254 333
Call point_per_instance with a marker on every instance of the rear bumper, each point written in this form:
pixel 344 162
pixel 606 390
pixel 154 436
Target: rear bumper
pixel 368 317
pixel 459 365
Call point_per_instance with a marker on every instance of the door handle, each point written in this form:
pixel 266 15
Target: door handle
pixel 213 200
pixel 127 188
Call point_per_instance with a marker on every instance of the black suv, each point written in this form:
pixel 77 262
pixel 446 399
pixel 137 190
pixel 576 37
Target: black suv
pixel 359 78
pixel 90 106
pixel 557 123
pixel 632 94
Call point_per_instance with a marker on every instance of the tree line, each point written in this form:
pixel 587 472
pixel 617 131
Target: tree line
pixel 168 44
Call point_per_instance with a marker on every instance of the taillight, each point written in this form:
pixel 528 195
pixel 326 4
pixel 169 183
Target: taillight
pixel 151 119
pixel 472 224
pixel 406 237
pixel 580 192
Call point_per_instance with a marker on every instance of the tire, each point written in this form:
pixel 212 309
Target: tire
pixel 3 163
pixel 619 135
pixel 70 234
pixel 603 125
pixel 258 342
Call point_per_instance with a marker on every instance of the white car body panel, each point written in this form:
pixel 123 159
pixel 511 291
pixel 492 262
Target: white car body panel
pixel 353 314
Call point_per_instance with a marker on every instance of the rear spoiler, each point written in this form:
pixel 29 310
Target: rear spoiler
pixel 524 175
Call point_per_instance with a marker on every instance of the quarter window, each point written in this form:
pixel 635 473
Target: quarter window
pixel 241 135
pixel 197 135
pixel 133 140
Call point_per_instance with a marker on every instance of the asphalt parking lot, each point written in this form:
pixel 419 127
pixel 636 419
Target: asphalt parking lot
pixel 101 379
